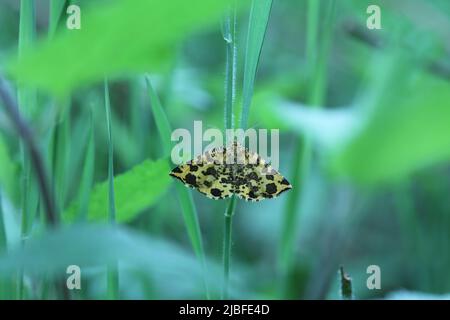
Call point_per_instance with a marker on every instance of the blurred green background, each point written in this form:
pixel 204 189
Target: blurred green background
pixel 364 119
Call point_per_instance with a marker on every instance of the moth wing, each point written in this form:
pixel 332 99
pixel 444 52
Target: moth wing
pixel 257 180
pixel 207 174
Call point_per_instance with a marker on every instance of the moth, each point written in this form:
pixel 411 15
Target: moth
pixel 221 172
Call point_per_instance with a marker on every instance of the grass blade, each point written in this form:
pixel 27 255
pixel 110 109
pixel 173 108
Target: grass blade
pixel 87 177
pixel 3 242
pixel 162 123
pixel 4 283
pixel 55 12
pixel 112 272
pixel 229 35
pixel 189 210
pixel 259 18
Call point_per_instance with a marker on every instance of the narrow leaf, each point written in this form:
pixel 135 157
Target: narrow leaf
pixel 259 17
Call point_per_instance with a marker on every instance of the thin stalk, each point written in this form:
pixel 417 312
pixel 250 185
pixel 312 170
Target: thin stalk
pixel 227 240
pixel 316 55
pixel 112 272
pixel 3 242
pixel 24 131
pixel 346 285
pixel 229 35
pixel 4 283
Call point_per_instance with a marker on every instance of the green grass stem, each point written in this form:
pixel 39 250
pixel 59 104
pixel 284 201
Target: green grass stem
pixel 229 35
pixel 112 272
pixel 346 285
pixel 227 242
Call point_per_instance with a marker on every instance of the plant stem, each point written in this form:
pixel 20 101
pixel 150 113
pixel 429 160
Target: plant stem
pixel 229 35
pixel 24 131
pixel 227 245
pixel 346 285
pixel 5 284
pixel 3 242
pixel 112 272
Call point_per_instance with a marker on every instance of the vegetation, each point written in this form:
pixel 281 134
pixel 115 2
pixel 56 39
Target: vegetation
pixel 86 118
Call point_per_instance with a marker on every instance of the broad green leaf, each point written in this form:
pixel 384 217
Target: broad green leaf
pixel 136 190
pixel 91 245
pixel 413 132
pixel 408 131
pixel 175 272
pixel 122 37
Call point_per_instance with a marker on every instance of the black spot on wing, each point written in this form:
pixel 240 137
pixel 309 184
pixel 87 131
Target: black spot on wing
pixel 176 170
pixel 271 188
pixel 211 172
pixel 207 184
pixel 252 176
pixel 193 167
pixel 216 192
pixel 252 195
pixel 191 179
pixel 175 176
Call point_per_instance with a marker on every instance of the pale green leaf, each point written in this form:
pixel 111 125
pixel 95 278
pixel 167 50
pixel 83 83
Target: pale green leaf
pixel 122 37
pixel 136 190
